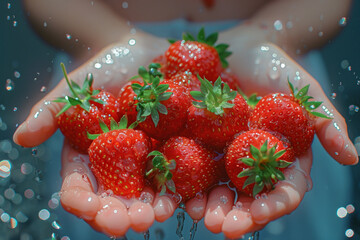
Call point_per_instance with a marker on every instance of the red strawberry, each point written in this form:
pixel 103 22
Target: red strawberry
pixel 217 115
pixel 127 102
pixel 184 167
pixel 82 112
pixel 161 106
pixel 198 56
pixel 118 158
pixel 255 161
pixel 290 115
pixel 170 121
pixel 186 79
pixel 230 79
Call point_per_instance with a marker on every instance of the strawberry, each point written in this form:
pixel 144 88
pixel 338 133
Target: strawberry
pixel 161 106
pixel 290 115
pixel 217 115
pixel 118 158
pixel 184 167
pixel 127 101
pixel 187 79
pixel 83 110
pixel 198 56
pixel 230 79
pixel 255 161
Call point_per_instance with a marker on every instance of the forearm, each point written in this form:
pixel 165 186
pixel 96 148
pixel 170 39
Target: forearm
pixel 90 23
pixel 295 26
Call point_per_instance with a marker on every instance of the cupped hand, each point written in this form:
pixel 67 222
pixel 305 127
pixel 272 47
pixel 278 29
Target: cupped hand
pixel 111 68
pixel 265 68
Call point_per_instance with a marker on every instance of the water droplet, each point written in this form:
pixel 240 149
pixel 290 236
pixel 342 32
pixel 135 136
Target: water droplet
pixel 68 36
pixel 343 22
pixel 223 199
pixel 238 205
pixel 264 48
pixel 341 212
pixel 5 168
pixel 13 223
pixel 350 208
pixel 65 238
pixel 273 73
pixel 44 214
pixel 15 109
pixel 55 225
pixel 344 64
pixel 9 193
pixel 349 233
pixel 353 109
pixel 9 5
pixel 9 85
pixel 15 23
pixel 34 152
pixel 97 65
pixel 21 217
pixel 146 197
pixel 125 5
pixel 264 196
pixel 29 193
pixel 311 29
pixel 16 74
pixel 333 95
pixel 5 217
pixel 321 34
pixel 132 42
pixel 278 25
pixel 43 89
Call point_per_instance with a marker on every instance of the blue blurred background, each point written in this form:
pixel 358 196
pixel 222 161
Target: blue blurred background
pixel 29 204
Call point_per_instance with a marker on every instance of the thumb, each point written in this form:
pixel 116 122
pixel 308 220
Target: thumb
pixel 41 123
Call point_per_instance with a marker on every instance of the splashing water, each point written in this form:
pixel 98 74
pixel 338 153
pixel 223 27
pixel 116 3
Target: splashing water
pixel 147 235
pixel 193 230
pixel 181 219
pixel 255 236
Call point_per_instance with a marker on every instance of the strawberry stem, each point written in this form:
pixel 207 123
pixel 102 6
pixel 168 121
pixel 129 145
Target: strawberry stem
pixel 67 81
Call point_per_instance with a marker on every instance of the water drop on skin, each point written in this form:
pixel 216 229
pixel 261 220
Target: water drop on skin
pixel 273 73
pixel 342 22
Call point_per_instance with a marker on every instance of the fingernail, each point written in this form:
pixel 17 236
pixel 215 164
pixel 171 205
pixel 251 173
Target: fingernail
pixel 350 154
pixel 18 131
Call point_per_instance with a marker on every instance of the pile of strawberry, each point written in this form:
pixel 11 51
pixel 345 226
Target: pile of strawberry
pixel 181 125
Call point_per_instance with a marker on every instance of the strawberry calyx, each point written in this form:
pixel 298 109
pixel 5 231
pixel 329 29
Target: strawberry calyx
pixel 161 167
pixel 122 124
pixel 80 95
pixel 150 95
pixel 303 99
pixel 209 40
pixel 263 168
pixel 213 97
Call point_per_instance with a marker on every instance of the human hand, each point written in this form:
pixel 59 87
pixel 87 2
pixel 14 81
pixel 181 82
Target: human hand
pixel 216 208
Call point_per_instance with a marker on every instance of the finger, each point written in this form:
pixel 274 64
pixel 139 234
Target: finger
pixel 287 194
pixel 196 206
pixel 238 221
pixel 112 218
pixel 220 202
pixel 164 207
pixel 141 215
pixel 77 191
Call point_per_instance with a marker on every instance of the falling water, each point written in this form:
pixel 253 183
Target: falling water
pixel 193 230
pixel 255 236
pixel 147 235
pixel 180 218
